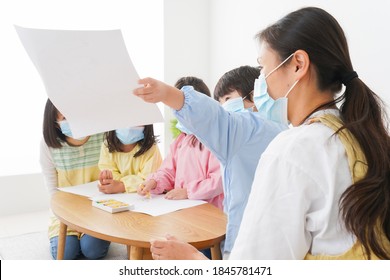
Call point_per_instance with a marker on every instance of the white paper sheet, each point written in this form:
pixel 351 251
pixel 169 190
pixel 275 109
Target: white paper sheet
pixel 89 189
pixel 154 206
pixel 89 77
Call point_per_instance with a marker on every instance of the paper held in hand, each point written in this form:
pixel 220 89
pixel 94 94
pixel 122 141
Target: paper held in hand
pixel 85 73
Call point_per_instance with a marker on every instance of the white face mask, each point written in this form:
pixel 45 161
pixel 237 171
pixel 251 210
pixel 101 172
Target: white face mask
pixel 237 104
pixel 130 135
pixel 275 110
pixel 234 105
pixel 65 129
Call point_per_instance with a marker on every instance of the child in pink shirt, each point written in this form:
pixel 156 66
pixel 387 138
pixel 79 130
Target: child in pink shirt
pixel 189 171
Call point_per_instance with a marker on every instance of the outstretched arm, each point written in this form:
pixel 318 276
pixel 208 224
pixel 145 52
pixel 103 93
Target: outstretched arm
pixel 154 91
pixel 173 249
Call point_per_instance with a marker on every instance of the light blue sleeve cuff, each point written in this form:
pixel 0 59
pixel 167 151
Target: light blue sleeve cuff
pixel 188 92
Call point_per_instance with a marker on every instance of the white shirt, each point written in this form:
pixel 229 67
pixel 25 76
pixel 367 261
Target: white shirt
pixel 48 168
pixel 293 206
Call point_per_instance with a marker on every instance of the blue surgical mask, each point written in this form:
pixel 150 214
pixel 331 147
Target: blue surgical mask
pixel 275 110
pixel 180 127
pixel 234 105
pixel 130 135
pixel 65 128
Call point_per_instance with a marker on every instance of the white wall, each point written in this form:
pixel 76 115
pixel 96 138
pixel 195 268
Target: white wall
pixel 186 45
pixel 22 193
pixel 366 24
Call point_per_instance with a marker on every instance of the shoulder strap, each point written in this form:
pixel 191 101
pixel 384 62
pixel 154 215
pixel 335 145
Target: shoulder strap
pixel 358 168
pixel 356 158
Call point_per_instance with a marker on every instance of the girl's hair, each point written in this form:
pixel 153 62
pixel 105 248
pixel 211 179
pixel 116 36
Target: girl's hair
pixel 115 145
pixel 365 205
pixel 241 79
pixel 197 83
pixel 52 133
pixel 199 86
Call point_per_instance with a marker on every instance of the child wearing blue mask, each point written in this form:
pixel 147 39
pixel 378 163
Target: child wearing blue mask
pixel 66 161
pixel 189 171
pixel 234 90
pixel 127 157
pixel 236 139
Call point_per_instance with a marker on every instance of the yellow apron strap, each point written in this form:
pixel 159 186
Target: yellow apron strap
pixel 356 158
pixel 358 168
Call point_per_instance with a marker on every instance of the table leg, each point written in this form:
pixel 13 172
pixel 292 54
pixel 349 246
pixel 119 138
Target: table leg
pixel 128 252
pixel 136 253
pixel 61 241
pixel 216 252
pixel 147 255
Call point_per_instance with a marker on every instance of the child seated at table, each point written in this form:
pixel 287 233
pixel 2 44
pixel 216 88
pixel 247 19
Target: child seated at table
pixel 189 171
pixel 127 157
pixel 66 161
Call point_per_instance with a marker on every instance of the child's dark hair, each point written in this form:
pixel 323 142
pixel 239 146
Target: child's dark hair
pixel 52 133
pixel 199 86
pixel 241 79
pixel 197 83
pixel 115 145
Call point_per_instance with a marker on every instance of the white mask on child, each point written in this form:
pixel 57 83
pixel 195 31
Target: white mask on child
pixel 234 105
pixel 65 129
pixel 130 135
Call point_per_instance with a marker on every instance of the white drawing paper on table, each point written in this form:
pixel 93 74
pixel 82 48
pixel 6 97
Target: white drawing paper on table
pixel 159 205
pixel 155 206
pixel 89 189
pixel 89 77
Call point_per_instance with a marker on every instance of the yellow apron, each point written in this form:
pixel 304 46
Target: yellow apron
pixel 358 168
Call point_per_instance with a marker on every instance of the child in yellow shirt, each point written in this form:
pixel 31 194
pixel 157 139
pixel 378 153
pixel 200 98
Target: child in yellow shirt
pixel 127 157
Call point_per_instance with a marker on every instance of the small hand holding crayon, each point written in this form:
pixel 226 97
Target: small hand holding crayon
pixel 147 195
pixel 145 188
pixel 142 191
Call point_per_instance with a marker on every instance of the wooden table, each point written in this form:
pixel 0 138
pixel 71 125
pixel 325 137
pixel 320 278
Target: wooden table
pixel 203 226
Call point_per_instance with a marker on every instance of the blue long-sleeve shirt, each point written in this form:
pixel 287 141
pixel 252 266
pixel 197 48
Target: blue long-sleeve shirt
pixel 237 140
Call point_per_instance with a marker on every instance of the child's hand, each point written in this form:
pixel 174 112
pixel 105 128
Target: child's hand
pixel 146 187
pixel 114 186
pixel 105 177
pixel 174 249
pixel 177 194
pixel 140 189
pixel 154 91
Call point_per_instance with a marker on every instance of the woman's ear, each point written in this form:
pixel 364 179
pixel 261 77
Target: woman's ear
pixel 301 62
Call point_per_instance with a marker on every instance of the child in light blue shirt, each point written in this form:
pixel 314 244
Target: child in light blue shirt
pixel 237 139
